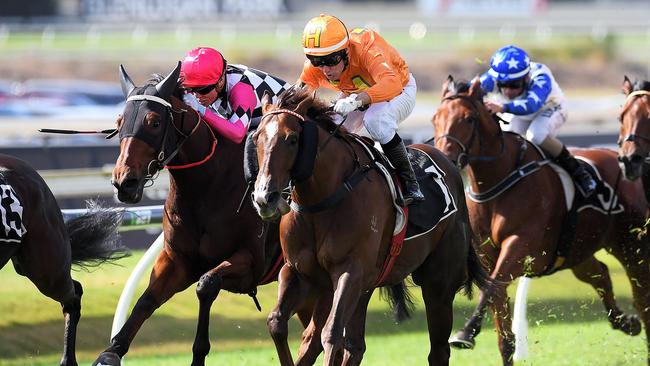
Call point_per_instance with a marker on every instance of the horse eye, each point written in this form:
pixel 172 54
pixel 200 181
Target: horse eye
pixel 156 123
pixel 292 140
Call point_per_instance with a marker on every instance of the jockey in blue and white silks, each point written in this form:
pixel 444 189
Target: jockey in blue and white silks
pixel 529 92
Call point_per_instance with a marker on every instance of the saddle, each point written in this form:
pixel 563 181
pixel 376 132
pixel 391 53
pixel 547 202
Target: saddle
pixel 439 202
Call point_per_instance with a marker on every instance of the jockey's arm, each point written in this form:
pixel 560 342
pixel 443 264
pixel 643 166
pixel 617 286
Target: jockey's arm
pixel 242 101
pixel 535 97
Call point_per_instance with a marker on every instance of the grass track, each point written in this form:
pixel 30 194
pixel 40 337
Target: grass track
pixel 568 326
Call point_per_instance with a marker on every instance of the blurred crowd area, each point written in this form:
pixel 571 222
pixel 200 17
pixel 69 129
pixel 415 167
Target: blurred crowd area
pixel 60 57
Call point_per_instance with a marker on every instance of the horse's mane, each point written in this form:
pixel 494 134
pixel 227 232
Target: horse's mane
pixel 319 110
pixel 642 85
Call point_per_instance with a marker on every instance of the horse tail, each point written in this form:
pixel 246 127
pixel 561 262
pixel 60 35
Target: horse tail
pixel 477 274
pixel 94 237
pixel 399 299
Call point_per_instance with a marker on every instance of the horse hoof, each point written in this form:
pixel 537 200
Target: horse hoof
pixel 462 340
pixel 107 359
pixel 628 324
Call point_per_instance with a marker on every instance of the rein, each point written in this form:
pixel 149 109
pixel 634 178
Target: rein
pixel 360 172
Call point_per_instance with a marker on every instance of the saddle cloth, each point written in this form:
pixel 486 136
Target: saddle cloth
pixel 11 215
pixel 603 200
pixel 439 202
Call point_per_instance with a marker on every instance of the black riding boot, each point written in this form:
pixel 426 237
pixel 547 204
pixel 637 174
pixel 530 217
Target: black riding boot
pixel 585 182
pixel 396 153
pixel 250 160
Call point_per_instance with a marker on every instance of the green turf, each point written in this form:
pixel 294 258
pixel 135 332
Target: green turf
pixel 568 326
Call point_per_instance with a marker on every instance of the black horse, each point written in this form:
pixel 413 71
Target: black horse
pixel 42 247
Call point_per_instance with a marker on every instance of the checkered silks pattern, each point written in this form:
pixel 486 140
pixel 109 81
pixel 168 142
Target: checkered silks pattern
pixel 260 81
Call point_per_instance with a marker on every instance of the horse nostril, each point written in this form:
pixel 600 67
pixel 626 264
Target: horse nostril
pixel 128 185
pixel 272 197
pixel 636 159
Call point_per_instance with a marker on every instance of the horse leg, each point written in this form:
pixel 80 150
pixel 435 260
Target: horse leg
pixel 440 318
pixel 635 262
pixel 311 347
pixel 595 273
pixel 346 280
pixel 168 276
pixel 355 333
pixel 234 272
pixel 291 291
pixel 67 292
pixel 466 337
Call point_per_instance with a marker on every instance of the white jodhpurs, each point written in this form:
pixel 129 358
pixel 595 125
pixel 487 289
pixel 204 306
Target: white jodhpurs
pixel 381 118
pixel 546 123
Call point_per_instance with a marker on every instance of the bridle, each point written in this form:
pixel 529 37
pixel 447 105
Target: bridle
pixel 475 120
pixel 161 160
pixel 633 137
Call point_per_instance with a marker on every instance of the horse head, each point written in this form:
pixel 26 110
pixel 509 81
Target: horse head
pixel 634 137
pixel 287 142
pixel 146 133
pixel 459 120
pixel 277 139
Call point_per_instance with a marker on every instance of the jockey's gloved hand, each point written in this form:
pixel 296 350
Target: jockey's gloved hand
pixel 346 105
pixel 191 100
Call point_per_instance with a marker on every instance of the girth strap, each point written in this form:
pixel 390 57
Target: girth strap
pixel 333 199
pixel 507 182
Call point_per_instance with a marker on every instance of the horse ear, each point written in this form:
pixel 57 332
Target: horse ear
pixel 168 84
pixel 475 89
pixel 127 83
pixel 448 85
pixel 627 86
pixel 266 102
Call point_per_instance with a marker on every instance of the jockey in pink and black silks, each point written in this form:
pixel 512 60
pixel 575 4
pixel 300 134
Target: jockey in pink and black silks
pixel 228 97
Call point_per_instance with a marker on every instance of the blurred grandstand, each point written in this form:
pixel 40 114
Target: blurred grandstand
pixel 59 58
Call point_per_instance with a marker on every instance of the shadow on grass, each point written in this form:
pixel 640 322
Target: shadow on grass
pixel 19 340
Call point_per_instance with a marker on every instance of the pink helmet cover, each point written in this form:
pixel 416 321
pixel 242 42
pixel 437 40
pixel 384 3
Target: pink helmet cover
pixel 202 66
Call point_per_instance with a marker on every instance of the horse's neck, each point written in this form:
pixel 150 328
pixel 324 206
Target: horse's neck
pixel 332 166
pixel 196 165
pixel 502 154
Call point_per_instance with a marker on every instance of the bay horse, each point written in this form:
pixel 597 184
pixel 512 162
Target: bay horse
pixel 338 233
pixel 206 238
pixel 519 227
pixel 43 247
pixel 634 136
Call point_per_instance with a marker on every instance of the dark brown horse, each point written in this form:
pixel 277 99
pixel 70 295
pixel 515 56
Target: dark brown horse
pixel 634 137
pixel 520 228
pixel 339 231
pixel 42 247
pixel 206 239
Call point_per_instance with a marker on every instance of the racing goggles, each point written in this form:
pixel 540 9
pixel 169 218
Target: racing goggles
pixel 511 84
pixel 328 61
pixel 203 90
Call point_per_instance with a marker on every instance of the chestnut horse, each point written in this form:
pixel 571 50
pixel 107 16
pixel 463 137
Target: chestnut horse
pixel 42 247
pixel 206 239
pixel 335 243
pixel 634 137
pixel 521 227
